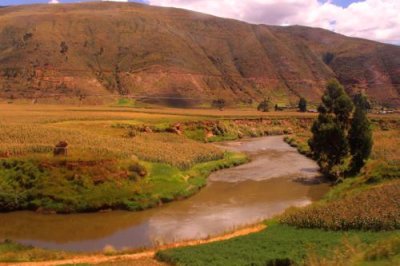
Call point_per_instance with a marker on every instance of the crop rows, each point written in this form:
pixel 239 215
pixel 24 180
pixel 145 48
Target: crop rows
pixel 374 209
pixel 18 139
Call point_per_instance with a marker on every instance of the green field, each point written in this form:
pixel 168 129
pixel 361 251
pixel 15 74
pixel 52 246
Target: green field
pixel 276 245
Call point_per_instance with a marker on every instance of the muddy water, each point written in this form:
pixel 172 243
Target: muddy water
pixel 276 178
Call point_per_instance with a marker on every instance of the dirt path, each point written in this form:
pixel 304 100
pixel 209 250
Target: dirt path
pixel 141 258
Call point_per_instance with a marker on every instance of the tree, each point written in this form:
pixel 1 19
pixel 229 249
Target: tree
pixel 336 101
pixel 337 141
pixel 360 137
pixel 219 103
pixel 362 101
pixel 303 105
pixel 263 106
pixel 329 142
pixel 328 57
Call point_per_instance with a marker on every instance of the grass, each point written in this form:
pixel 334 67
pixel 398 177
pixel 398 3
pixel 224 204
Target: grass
pixel 66 186
pixel 276 245
pixel 384 252
pixel 14 252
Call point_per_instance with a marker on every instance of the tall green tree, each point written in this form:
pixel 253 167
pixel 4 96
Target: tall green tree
pixel 360 135
pixel 362 101
pixel 303 104
pixel 329 145
pixel 329 142
pixel 336 101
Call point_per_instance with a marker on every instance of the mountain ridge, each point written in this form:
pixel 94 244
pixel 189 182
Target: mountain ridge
pixel 118 48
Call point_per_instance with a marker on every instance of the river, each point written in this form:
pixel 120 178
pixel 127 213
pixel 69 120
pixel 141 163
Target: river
pixel 276 178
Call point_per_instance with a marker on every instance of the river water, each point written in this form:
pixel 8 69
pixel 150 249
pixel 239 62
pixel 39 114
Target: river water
pixel 276 178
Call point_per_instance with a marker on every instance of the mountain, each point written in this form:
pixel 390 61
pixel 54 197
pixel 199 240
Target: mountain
pixel 105 49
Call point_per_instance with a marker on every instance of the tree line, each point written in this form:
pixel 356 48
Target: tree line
pixel 264 106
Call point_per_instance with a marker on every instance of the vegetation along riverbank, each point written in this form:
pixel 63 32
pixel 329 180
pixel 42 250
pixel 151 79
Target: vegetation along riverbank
pixel 356 223
pixel 116 158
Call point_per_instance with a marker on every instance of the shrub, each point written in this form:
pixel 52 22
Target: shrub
pixel 302 104
pixel 219 103
pixel 263 106
pixel 137 171
pixel 63 47
pixel 328 57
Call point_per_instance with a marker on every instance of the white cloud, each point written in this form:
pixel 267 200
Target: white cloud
pixel 54 2
pixel 371 19
pixel 114 0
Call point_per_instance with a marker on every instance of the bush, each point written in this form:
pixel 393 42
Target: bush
pixel 219 103
pixel 263 106
pixel 137 171
pixel 328 57
pixel 303 105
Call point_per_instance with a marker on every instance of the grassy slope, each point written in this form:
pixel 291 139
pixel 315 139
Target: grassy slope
pixel 170 52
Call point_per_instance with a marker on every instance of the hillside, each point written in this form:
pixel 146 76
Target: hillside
pixel 104 49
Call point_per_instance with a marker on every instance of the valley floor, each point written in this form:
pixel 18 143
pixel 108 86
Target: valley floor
pixel 125 144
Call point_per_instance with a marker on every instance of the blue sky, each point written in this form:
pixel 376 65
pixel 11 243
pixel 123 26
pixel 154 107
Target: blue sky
pixel 343 3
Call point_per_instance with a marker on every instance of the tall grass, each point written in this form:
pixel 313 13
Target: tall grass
pixel 17 140
pixel 373 209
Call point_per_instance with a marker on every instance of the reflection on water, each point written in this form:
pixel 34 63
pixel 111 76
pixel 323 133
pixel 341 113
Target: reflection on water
pixel 233 198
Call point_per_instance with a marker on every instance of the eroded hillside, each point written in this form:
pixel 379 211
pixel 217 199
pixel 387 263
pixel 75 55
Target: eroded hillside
pixel 104 49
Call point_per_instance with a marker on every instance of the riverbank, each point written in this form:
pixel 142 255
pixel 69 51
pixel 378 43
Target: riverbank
pixel 234 197
pixel 146 257
pixel 116 158
pixel 356 223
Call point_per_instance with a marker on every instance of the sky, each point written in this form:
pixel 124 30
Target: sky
pixel 377 20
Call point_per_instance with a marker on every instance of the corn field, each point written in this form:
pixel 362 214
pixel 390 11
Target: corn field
pixel 373 209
